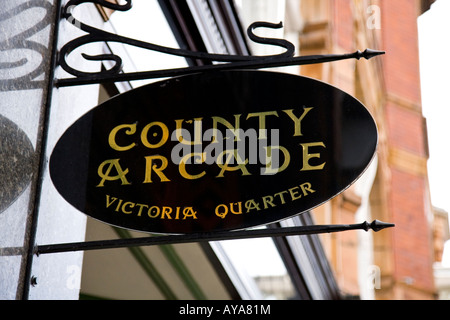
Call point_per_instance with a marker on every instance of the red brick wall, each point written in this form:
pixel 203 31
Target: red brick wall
pixel 343 24
pixel 407 193
pixel 399 40
pixel 411 237
pixel 405 130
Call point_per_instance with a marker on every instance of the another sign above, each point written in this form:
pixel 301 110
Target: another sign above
pixel 212 152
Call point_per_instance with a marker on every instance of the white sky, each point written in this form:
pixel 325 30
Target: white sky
pixel 434 31
pixel 434 44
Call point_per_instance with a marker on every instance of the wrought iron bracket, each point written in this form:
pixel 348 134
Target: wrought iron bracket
pixel 226 62
pixel 64 14
pixel 205 237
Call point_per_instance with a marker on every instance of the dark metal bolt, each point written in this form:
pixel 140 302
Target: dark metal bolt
pixel 33 281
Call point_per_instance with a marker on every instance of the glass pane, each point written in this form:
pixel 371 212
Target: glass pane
pixel 145 22
pixel 259 260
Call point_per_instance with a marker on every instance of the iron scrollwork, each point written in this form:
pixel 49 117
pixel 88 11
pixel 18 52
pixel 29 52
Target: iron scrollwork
pixel 115 73
pixel 26 71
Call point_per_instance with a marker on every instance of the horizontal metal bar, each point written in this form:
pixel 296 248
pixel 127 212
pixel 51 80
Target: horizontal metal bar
pixel 210 236
pixel 256 64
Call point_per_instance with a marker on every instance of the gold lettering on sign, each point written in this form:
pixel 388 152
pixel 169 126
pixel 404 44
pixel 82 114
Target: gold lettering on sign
pixel 266 202
pixel 164 136
pixel 105 175
pixel 262 121
pixel 232 156
pixel 152 167
pixel 297 120
pixel 197 133
pixel 237 119
pixel 307 156
pixel 153 212
pixel 274 159
pixel 199 158
pixel 269 169
pixel 112 136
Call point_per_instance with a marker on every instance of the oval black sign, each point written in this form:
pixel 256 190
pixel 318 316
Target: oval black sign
pixel 214 151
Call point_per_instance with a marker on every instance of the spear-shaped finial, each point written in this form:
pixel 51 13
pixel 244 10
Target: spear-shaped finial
pixel 376 225
pixel 379 225
pixel 368 54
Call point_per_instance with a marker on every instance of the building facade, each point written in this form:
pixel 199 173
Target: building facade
pixel 401 266
pixel 392 264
